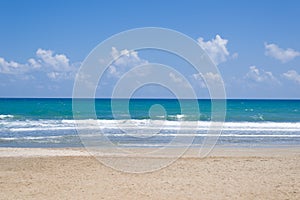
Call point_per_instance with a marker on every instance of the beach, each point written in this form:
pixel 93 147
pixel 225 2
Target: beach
pixel 43 155
pixel 149 100
pixel 227 173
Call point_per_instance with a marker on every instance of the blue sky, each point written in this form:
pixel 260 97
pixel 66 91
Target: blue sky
pixel 255 44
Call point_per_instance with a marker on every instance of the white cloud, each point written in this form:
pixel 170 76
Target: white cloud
pixel 284 55
pixel 178 80
pixel 35 64
pixel 53 75
pixel 56 76
pixel 216 49
pixel 11 67
pixel 124 60
pixel 210 78
pixel 86 80
pixel 260 76
pixel 175 78
pixel 198 77
pixel 292 75
pixel 55 66
pixel 59 62
pixel 213 77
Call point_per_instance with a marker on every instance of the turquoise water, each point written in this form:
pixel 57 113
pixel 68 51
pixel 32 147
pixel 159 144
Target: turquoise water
pixel 50 123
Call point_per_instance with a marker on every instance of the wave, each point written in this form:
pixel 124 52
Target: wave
pixel 115 126
pixel 30 138
pixel 6 116
pixel 135 132
pixel 161 135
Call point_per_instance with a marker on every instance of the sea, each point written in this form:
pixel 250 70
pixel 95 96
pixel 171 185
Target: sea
pixel 50 123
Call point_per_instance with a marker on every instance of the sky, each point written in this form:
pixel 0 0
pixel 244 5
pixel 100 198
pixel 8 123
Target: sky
pixel 254 44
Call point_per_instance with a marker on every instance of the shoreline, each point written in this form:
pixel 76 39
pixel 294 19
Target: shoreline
pixel 190 153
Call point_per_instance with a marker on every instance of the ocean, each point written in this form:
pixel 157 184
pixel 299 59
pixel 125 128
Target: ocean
pixel 36 122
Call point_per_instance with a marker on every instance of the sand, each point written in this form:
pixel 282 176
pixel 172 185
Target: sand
pixel 270 173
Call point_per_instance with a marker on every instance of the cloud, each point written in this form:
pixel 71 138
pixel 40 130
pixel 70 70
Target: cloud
pixel 198 77
pixel 210 78
pixel 260 76
pixel 11 67
pixel 32 62
pixel 284 55
pixel 55 66
pixel 175 78
pixel 178 80
pixel 214 77
pixel 53 75
pixel 216 49
pixel 124 60
pixel 59 62
pixel 292 75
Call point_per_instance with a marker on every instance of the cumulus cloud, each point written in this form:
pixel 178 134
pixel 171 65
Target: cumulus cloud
pixel 55 66
pixel 216 49
pixel 210 78
pixel 11 67
pixel 59 62
pixel 35 64
pixel 292 75
pixel 284 55
pixel 259 75
pixel 124 60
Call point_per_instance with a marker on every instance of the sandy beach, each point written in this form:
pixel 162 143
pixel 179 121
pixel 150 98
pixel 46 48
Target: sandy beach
pixel 269 173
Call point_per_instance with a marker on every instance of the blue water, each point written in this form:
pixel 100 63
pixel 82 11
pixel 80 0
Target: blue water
pixel 50 123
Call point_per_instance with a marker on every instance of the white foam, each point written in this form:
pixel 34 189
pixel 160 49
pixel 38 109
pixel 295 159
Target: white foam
pixel 201 135
pixel 32 138
pixel 6 116
pixel 146 125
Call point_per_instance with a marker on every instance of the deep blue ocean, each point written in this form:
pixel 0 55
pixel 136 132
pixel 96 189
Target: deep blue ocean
pixel 50 122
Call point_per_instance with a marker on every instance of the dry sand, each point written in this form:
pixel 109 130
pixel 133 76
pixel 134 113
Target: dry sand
pixel 225 174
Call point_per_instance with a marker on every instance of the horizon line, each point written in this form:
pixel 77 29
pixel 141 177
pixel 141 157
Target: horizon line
pixel 150 98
